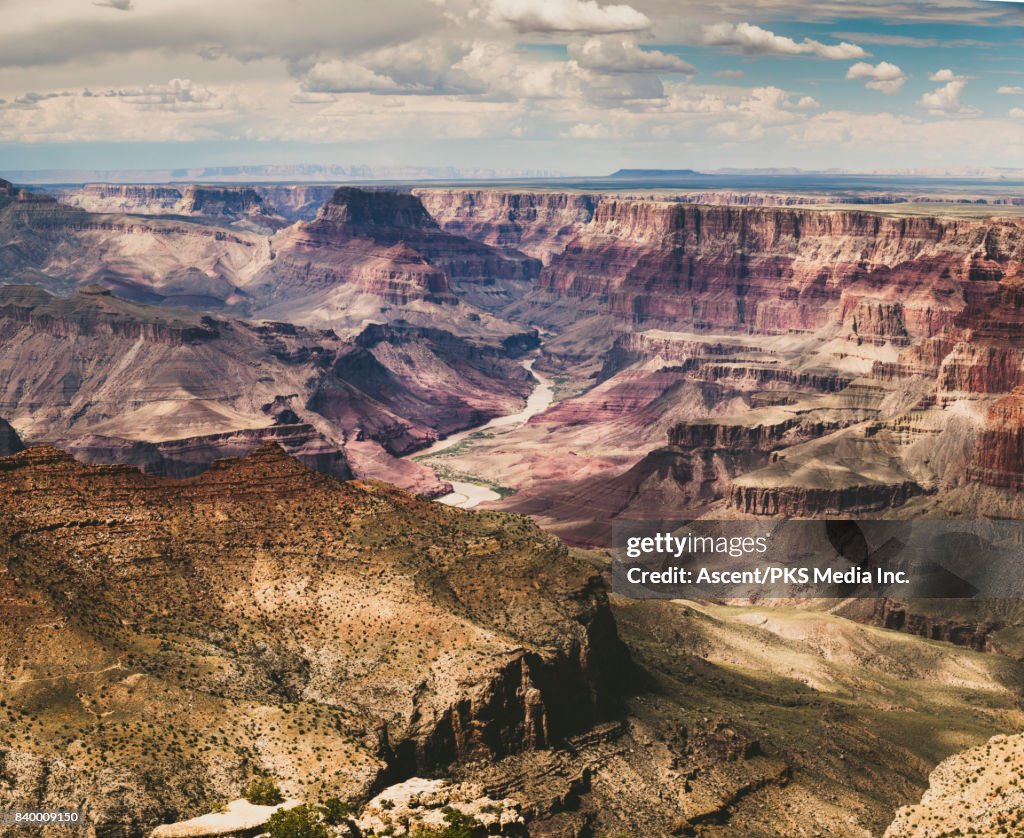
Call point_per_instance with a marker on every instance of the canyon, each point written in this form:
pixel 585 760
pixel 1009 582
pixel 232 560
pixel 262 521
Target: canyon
pixel 226 408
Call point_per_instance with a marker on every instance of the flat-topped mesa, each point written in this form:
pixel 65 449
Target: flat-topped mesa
pixel 388 212
pixel 537 223
pixel 194 455
pixel 664 348
pixel 770 270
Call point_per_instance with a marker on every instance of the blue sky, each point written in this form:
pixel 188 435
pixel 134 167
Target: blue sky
pixel 579 86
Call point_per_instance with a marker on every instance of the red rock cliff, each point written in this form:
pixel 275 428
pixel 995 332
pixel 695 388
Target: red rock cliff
pixel 772 269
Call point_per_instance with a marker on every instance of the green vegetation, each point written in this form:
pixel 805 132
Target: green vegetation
pixel 445 473
pixel 459 825
pixel 263 791
pixel 300 822
pixel 335 811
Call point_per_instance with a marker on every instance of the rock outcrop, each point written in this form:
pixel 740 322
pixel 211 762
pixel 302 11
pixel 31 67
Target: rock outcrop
pixel 10 441
pixel 419 804
pixel 977 792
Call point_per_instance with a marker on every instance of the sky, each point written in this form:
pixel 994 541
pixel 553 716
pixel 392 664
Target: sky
pixel 568 86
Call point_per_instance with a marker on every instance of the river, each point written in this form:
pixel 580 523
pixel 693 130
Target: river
pixel 466 494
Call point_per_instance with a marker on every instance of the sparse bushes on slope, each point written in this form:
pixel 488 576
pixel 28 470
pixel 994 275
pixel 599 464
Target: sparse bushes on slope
pixel 300 822
pixel 263 791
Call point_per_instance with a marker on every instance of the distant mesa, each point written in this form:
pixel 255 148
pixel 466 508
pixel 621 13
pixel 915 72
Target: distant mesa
pixel 654 174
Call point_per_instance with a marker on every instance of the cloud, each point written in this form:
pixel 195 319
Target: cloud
pixel 213 30
pixel 568 16
pixel 177 94
pixel 337 76
pixel 806 103
pixel 1017 113
pixel 623 55
pixel 729 74
pixel 753 40
pixel 1011 90
pixel 874 38
pixel 505 72
pixel 120 5
pixel 946 99
pixel 883 76
pixel 32 100
pixel 589 131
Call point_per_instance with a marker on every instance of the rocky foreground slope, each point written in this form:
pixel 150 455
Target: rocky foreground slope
pixel 168 640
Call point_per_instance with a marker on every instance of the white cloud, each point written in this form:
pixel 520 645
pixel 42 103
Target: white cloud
pixel 946 99
pixel 1017 113
pixel 337 76
pixel 753 40
pixel 806 103
pixel 589 131
pixel 623 55
pixel 883 76
pixel 568 16
pixel 1011 90
pixel 505 71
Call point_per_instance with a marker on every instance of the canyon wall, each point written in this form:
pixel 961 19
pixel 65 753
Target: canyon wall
pixel 770 270
pixel 537 223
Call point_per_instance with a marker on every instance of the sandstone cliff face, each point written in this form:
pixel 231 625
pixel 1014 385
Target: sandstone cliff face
pixel 537 223
pixel 281 621
pixel 383 244
pixel 999 454
pixel 769 270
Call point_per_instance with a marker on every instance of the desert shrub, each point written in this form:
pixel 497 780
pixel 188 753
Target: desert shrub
pixel 300 822
pixel 335 811
pixel 459 825
pixel 263 791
